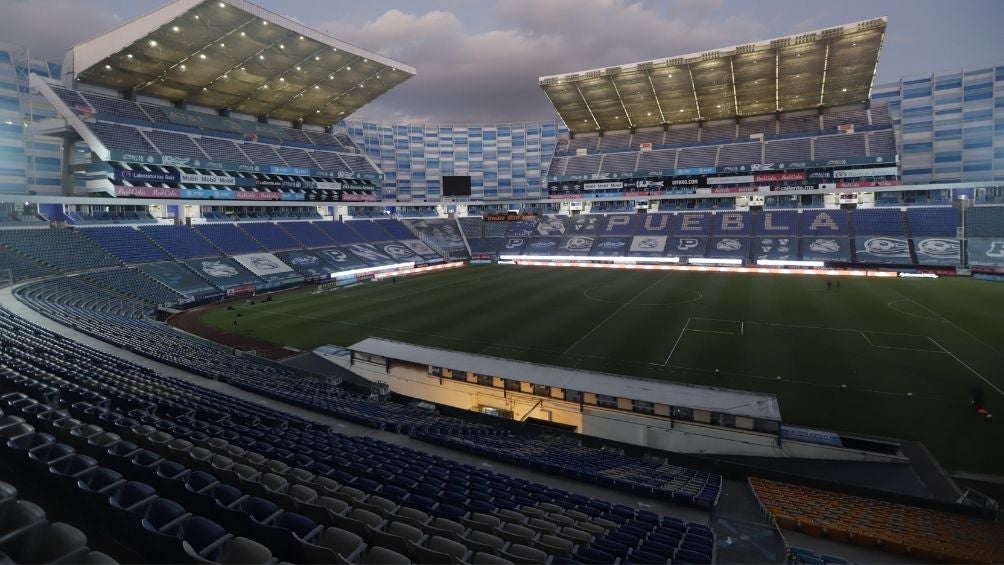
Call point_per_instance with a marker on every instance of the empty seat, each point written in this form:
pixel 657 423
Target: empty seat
pixel 51 543
pixel 333 545
pixel 518 553
pixel 382 556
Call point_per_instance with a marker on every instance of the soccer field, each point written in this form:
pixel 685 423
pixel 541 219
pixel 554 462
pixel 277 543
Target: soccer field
pixel 888 357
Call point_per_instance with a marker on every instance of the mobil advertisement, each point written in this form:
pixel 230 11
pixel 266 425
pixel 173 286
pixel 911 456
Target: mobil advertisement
pixel 207 179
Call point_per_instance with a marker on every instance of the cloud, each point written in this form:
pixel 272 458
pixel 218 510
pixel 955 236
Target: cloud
pixel 49 27
pixel 491 76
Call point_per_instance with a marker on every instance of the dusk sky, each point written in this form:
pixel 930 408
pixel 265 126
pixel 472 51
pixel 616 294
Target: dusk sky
pixel 478 61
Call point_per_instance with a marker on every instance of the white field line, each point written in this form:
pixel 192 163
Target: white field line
pixel 971 370
pixel 672 351
pixel 614 313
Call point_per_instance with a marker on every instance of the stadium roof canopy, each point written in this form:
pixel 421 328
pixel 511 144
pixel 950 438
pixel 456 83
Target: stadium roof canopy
pixel 823 68
pixel 236 55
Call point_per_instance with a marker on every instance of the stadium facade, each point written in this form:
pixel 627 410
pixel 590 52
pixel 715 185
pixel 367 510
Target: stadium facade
pixel 505 161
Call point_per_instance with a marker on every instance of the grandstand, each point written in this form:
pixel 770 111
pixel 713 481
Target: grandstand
pixel 625 407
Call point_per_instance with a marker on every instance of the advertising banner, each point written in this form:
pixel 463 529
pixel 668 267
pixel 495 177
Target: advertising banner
pixel 513 246
pixel 826 248
pixel 551 225
pixel 858 173
pixel 222 272
pixel 357 197
pixel 729 248
pixel 610 246
pixel 327 185
pixel 576 245
pixel 778 248
pixel 867 184
pixel 368 254
pixel 779 177
pixel 584 224
pixel 648 245
pixel 147 192
pixel 809 435
pixel 420 248
pixel 306 263
pixel 399 252
pixel 882 249
pixel 248 195
pixel 602 185
pixel 441 233
pixel 793 187
pixel 145 176
pixel 738 179
pixel 265 265
pixel 986 251
pixel 731 189
pixel 207 194
pixel 937 251
pixel 541 246
pixel 687 247
pixel 339 259
pixel 270 184
pixel 207 179
pixel 179 278
pixel 281 170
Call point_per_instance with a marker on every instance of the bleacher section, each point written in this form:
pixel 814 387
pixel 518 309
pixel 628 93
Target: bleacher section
pixel 985 221
pixel 878 221
pixel 144 128
pixel 182 242
pixel 934 221
pixel 307 234
pixel 27 535
pixel 228 238
pixel 270 235
pixel 125 244
pixel 21 267
pixel 60 249
pixel 133 283
pixel 791 138
pixel 287 465
pixel 927 535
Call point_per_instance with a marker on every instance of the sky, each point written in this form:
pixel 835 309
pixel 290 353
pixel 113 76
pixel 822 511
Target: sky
pixel 478 60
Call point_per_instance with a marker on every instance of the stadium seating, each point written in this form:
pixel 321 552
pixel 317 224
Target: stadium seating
pixel 60 249
pixel 182 242
pixel 229 239
pixel 270 235
pixel 878 221
pixel 27 535
pixel 210 469
pixel 369 230
pixel 934 221
pixel 340 232
pixel 126 244
pixel 307 234
pixel 21 267
pixel 133 283
pixel 926 535
pixel 472 227
pixel 985 221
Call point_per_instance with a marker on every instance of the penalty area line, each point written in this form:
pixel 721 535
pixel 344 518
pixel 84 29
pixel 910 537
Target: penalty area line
pixel 677 343
pixel 971 370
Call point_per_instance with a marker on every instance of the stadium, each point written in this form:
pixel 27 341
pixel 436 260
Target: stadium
pixel 734 306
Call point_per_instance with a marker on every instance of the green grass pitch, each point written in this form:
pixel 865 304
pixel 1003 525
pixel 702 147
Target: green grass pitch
pixel 891 357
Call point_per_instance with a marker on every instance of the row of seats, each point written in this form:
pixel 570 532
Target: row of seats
pixel 926 535
pixel 204 446
pixel 647 478
pixel 161 342
pixel 839 146
pixel 26 536
pixel 785 124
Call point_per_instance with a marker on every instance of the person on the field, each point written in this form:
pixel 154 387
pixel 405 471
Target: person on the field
pixel 829 285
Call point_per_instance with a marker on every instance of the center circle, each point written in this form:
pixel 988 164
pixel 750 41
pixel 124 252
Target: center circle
pixel 675 296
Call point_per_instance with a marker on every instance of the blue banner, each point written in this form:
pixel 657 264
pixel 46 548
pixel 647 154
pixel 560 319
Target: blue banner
pixel 826 248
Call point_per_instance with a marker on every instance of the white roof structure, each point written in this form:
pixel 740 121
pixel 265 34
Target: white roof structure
pixel 235 55
pixel 727 401
pixel 816 69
